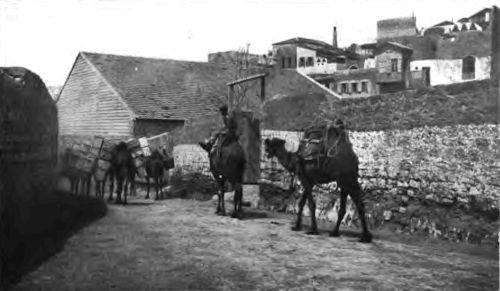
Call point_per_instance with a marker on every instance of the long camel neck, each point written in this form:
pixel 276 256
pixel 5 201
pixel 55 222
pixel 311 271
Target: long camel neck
pixel 286 159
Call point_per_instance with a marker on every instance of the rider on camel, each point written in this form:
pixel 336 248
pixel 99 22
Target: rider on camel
pixel 226 135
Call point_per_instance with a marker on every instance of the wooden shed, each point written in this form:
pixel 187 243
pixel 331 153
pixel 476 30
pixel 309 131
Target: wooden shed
pixel 123 96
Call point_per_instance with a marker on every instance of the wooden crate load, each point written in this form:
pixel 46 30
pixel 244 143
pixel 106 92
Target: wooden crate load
pixel 83 157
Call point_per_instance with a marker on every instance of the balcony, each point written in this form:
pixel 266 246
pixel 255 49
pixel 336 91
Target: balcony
pixel 389 77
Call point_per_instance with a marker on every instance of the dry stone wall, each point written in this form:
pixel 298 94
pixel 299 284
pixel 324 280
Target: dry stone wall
pixel 444 181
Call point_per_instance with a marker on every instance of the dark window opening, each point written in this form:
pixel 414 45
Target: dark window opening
pixel 283 62
pixel 394 65
pixel 310 62
pixel 289 62
pixel 343 88
pixel 354 87
pixel 364 86
pixel 302 62
pixel 468 68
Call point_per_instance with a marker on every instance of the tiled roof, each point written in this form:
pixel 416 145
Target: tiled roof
pixel 322 48
pixel 163 88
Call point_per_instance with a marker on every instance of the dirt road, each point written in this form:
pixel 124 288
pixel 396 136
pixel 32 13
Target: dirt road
pixel 181 245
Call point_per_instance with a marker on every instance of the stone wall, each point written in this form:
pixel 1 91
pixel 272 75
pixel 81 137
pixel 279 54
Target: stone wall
pixel 439 180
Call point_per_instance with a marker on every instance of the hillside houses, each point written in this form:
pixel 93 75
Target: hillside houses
pixel 403 57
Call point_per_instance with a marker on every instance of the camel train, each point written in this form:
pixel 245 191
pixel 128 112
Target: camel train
pixel 122 170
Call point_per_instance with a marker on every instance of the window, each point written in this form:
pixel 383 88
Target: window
pixel 302 62
pixel 394 65
pixel 343 88
pixel 310 62
pixel 364 86
pixel 354 87
pixel 283 62
pixel 289 62
pixel 468 68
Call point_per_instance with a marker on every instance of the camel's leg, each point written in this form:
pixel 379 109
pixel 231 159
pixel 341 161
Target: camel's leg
pixel 341 213
pixel 89 180
pixel 221 197
pixel 155 179
pixel 356 197
pixel 161 187
pixel 148 186
pixel 119 188
pixel 111 186
pixel 103 186
pixel 97 188
pixel 128 184
pixel 302 202
pixel 238 192
pixel 77 182
pixel 312 209
pixel 219 200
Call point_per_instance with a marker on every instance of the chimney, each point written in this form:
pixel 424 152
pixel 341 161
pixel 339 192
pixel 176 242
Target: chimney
pixel 334 42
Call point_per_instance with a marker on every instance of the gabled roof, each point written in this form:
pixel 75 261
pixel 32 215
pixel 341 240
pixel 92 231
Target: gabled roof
pixel 446 22
pixel 481 12
pixel 163 88
pixel 303 40
pixel 372 45
pixel 393 45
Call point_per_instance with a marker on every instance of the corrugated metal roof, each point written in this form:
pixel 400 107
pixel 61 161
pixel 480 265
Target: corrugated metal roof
pixel 163 88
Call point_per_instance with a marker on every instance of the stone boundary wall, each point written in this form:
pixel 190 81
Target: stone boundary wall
pixel 453 171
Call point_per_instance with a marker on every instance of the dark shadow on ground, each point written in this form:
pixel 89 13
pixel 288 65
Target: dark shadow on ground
pixel 34 238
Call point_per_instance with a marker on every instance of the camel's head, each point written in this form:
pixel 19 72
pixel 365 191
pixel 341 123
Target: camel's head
pixel 273 145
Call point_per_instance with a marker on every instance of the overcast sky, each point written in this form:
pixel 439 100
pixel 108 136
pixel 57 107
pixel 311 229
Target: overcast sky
pixel 46 35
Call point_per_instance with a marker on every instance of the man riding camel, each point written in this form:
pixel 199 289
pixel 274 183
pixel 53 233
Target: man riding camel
pixel 226 135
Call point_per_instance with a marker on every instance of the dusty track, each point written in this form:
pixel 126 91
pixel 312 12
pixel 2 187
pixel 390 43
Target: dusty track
pixel 181 245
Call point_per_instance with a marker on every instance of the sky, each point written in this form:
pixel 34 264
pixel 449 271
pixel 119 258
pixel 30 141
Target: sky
pixel 45 36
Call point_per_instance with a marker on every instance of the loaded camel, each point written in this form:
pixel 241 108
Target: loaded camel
pixel 123 169
pixel 155 166
pixel 227 163
pixel 333 160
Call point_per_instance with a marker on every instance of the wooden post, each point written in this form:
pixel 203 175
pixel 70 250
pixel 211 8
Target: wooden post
pixel 262 89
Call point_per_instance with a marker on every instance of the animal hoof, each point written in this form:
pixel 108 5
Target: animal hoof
pixel 234 215
pixel 312 232
pixel 367 238
pixel 334 234
pixel 295 228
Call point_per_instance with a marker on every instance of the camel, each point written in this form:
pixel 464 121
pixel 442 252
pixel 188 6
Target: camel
pixel 337 162
pixel 74 175
pixel 99 178
pixel 123 169
pixel 227 163
pixel 155 165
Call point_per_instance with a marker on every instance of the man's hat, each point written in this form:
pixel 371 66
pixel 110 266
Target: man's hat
pixel 223 109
